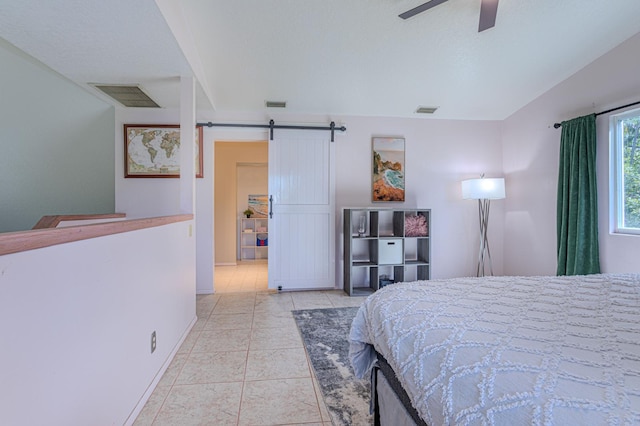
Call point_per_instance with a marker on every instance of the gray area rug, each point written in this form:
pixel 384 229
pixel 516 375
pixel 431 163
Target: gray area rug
pixel 325 333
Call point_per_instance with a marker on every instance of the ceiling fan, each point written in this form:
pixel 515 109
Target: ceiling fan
pixel 488 11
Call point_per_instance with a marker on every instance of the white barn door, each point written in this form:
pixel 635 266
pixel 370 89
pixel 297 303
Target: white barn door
pixel 302 218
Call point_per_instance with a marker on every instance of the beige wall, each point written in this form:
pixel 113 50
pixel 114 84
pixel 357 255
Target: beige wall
pixel 227 156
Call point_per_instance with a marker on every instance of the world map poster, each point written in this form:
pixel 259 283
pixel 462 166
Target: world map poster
pixel 154 151
pixel 388 169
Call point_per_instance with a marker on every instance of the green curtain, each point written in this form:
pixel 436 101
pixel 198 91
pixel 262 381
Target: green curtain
pixel 577 225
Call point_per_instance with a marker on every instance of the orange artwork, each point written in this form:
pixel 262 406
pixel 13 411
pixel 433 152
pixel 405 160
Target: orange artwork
pixel 388 169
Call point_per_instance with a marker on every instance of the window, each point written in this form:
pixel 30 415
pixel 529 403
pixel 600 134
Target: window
pixel 626 172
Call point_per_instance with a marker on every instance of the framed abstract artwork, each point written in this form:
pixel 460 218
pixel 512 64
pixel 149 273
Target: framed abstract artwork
pixel 388 169
pixel 153 151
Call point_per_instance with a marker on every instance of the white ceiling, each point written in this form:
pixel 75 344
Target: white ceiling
pixel 353 57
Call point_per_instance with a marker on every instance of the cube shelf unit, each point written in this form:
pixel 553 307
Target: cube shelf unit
pixel 383 249
pixel 252 229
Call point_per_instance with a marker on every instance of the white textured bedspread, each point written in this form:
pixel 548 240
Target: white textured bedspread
pixel 509 350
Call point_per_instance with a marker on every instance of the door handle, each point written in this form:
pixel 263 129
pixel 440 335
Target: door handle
pixel 270 206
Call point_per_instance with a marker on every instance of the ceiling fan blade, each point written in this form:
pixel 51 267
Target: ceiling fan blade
pixel 425 6
pixel 488 12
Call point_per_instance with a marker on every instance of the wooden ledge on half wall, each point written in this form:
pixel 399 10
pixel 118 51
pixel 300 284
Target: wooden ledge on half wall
pixel 15 242
pixel 55 221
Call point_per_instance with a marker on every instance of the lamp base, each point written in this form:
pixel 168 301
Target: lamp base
pixel 484 254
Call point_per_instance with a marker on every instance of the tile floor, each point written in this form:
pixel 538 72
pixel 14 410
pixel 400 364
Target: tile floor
pixel 243 363
pixel 246 276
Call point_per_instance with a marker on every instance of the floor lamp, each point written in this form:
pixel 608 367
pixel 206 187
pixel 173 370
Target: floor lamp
pixel 483 190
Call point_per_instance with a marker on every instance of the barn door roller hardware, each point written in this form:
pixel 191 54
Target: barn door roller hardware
pixel 332 127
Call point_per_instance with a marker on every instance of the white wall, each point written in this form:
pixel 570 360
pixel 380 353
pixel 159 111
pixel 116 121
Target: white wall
pixel 57 156
pixel 531 149
pixel 439 155
pixel 76 329
pixel 159 197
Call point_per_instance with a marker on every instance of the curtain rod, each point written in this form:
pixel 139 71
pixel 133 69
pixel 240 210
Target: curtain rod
pixel 558 125
pixel 332 127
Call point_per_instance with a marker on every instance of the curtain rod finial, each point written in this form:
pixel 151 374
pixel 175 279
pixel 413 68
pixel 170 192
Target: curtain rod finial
pixel 557 125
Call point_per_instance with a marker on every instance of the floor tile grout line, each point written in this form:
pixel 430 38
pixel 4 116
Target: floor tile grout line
pixel 155 417
pixel 244 381
pixel 164 400
pixel 246 363
pixel 184 385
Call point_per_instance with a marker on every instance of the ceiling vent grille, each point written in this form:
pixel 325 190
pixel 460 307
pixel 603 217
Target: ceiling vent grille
pixel 426 110
pixel 275 104
pixel 129 96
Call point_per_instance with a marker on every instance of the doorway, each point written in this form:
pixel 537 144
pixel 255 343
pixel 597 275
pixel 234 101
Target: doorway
pixel 300 189
pixel 238 169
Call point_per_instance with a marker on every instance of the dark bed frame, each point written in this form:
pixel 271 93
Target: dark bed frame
pixel 383 367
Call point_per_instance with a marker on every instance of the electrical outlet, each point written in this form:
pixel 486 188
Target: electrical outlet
pixel 153 341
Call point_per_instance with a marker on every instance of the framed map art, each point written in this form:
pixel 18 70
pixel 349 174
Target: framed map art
pixel 153 151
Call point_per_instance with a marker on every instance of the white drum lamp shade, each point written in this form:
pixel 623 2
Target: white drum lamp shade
pixel 483 189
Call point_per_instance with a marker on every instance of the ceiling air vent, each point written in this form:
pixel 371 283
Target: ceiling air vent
pixel 129 96
pixel 275 104
pixel 426 110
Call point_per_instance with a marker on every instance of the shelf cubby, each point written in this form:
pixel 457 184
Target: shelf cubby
pixel 252 230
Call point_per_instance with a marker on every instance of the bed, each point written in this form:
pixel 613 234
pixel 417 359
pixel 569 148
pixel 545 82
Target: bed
pixel 502 351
